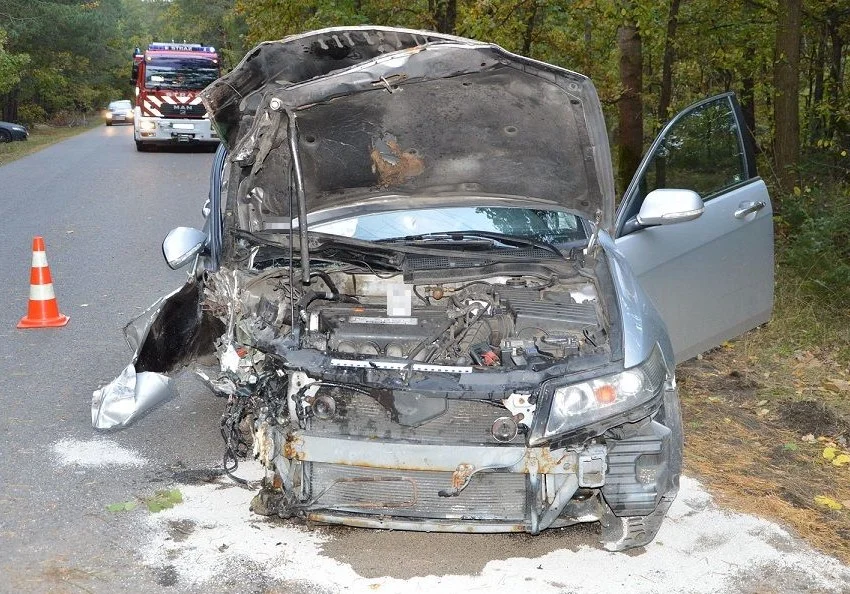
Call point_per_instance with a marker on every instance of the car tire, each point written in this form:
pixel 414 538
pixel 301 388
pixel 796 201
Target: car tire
pixel 108 123
pixel 5 136
pixel 142 147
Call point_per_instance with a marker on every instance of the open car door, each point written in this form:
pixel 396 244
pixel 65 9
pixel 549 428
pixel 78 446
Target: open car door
pixel 711 278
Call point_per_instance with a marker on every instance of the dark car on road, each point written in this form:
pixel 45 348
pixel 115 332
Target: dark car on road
pixel 10 132
pixel 119 112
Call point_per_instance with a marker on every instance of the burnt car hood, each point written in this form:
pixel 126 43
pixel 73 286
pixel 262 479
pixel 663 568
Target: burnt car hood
pixel 364 113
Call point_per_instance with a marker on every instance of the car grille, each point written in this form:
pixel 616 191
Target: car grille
pixel 177 111
pixel 414 494
pixel 464 422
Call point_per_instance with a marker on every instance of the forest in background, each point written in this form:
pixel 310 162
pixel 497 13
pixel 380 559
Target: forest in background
pixel 761 412
pixel 785 59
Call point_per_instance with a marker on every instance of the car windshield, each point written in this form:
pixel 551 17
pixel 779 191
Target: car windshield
pixel 121 105
pixel 180 73
pixel 540 225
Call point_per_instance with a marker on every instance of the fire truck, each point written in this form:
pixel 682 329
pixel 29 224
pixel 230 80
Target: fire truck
pixel 168 78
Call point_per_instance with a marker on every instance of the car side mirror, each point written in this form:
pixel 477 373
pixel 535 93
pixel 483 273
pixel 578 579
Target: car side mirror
pixel 181 245
pixel 668 206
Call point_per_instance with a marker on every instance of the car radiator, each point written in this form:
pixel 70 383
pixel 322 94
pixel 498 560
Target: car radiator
pixel 414 494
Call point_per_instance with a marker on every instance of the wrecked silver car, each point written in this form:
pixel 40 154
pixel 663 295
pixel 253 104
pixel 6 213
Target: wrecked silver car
pixel 426 310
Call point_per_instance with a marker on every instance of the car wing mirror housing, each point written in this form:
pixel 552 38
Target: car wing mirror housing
pixel 668 206
pixel 181 245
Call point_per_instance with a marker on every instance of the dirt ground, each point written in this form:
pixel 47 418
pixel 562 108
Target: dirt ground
pixel 768 433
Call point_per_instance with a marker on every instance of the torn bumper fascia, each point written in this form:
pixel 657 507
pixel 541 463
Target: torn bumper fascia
pixel 127 397
pixel 134 393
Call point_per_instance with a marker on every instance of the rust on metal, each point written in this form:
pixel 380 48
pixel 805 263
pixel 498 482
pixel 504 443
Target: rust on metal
pixel 292 447
pixel 460 477
pixel 392 165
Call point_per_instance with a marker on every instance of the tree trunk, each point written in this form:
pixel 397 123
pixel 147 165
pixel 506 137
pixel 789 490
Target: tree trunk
pixel 10 105
pixel 667 64
pixel 529 30
pixel 445 15
pixel 786 80
pixel 630 105
pixel 748 83
pixel 816 119
pixel 834 23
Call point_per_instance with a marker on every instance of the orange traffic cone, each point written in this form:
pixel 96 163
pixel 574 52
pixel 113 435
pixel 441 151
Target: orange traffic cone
pixel 43 311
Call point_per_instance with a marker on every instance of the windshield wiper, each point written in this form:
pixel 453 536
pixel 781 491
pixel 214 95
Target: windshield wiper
pixel 503 238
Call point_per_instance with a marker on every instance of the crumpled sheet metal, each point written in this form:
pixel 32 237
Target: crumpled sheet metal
pixel 131 394
pixel 128 397
pixel 136 330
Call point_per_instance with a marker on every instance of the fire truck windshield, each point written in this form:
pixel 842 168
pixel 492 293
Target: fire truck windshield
pixel 180 73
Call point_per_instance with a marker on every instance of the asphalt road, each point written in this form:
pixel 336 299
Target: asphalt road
pixel 103 210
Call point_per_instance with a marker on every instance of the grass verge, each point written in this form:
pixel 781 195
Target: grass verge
pixel 40 137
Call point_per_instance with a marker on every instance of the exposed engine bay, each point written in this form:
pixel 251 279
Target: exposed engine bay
pixel 415 402
pixel 507 322
pixel 400 350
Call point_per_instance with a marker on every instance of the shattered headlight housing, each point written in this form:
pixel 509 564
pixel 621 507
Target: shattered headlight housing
pixel 576 405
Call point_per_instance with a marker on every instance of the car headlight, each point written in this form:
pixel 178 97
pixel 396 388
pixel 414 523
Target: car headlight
pixel 108 115
pixel 573 406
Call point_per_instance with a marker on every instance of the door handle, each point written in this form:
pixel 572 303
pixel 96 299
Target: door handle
pixel 748 208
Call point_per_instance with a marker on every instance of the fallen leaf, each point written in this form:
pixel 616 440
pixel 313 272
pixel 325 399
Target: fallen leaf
pixel 164 500
pixel 791 446
pixel 762 412
pixel 761 402
pixel 836 385
pixel 828 502
pixel 123 506
pixel 829 453
pixel 841 460
pixel 809 438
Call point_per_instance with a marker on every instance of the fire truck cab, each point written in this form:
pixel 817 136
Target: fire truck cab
pixel 168 78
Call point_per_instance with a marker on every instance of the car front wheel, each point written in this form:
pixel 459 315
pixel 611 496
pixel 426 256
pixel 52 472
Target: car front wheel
pixel 5 136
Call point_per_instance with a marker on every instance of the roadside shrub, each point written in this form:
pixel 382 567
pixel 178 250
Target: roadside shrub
pixel 69 118
pixel 30 114
pixel 814 241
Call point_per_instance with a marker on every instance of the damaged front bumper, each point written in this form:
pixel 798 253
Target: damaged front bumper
pixel 626 484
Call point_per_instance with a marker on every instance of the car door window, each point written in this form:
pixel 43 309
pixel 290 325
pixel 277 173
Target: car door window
pixel 701 150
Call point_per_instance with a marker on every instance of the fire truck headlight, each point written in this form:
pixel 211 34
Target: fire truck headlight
pixel 147 125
